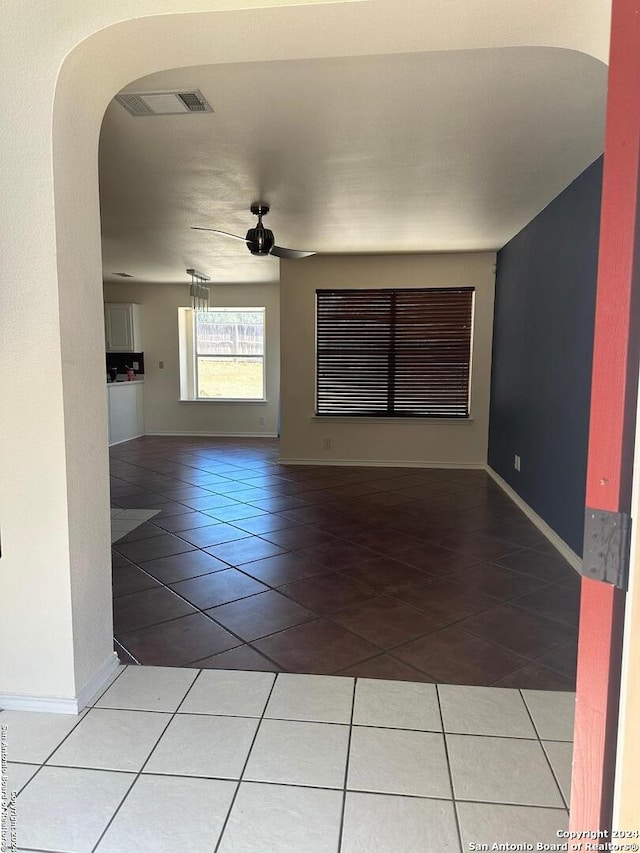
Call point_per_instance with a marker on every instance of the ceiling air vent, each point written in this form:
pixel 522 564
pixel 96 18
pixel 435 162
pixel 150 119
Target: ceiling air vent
pixel 164 103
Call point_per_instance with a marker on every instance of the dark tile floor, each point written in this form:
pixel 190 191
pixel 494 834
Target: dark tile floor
pixel 397 573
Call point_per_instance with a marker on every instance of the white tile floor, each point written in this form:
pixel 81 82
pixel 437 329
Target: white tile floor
pixel 216 761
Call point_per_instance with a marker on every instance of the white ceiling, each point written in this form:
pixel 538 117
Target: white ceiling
pixel 436 151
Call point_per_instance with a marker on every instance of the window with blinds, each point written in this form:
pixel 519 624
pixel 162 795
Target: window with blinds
pixel 394 353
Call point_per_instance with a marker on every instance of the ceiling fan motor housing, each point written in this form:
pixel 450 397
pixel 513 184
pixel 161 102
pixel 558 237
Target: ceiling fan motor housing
pixel 260 240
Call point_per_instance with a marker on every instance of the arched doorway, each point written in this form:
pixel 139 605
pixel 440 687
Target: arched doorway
pixel 58 635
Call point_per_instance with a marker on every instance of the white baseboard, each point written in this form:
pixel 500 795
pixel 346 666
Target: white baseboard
pixel 58 705
pixel 390 463
pixel 207 434
pixel 99 681
pixel 558 543
pixel 125 440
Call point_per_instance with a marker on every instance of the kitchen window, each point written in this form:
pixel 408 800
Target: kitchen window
pixel 402 353
pixel 222 354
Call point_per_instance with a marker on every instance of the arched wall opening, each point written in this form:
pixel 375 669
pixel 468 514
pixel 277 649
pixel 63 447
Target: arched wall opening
pixel 57 635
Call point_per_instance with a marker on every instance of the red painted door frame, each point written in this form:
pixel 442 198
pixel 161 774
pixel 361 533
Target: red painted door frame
pixel 612 425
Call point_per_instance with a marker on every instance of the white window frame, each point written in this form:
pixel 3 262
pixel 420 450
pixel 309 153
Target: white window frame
pixel 189 357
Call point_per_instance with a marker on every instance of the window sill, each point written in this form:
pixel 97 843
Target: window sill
pixel 374 420
pixel 226 402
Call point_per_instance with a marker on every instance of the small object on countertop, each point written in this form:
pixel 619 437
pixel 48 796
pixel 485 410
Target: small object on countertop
pixel 130 374
pixel 113 371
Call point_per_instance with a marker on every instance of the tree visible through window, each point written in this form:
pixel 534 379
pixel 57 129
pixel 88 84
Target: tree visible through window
pixel 229 353
pixel 394 353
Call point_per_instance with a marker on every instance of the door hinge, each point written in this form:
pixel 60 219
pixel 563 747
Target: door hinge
pixel 607 541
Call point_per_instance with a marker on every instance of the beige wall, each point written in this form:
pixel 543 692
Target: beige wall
pixel 439 442
pixel 163 410
pixel 627 787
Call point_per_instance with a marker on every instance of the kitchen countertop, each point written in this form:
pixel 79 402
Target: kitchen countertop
pixel 126 382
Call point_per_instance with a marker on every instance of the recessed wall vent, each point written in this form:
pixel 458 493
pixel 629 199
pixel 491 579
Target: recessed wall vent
pixel 164 103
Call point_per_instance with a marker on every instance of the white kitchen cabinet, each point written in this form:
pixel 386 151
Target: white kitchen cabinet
pixel 126 410
pixel 122 326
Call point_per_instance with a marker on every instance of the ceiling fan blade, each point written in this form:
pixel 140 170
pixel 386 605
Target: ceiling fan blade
pixel 217 231
pixel 260 240
pixel 291 254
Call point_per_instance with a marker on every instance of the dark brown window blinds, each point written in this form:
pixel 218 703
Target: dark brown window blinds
pixel 394 353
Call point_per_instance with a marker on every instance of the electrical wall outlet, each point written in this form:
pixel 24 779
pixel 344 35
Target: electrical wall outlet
pixel 136 365
pixel 260 421
pixel 516 462
pixel 326 444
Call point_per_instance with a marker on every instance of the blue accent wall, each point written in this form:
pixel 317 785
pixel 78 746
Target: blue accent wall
pixel 542 351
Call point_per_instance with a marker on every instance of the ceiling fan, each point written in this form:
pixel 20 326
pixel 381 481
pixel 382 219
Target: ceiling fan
pixel 260 240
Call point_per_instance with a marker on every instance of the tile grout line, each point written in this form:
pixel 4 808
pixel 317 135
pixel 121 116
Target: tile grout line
pixel 294 720
pixel 517 549
pixel 328 616
pixel 514 603
pixel 418 797
pixel 244 767
pixel 527 661
pixel 381 650
pixel 208 616
pixel 265 466
pixel 346 768
pixel 138 774
pixel 81 715
pixel 388 652
pixel 552 671
pixel 297 720
pixel 449 771
pixel 126 651
pixel 544 751
pixel 38 850
pixel 555 777
pixel 98 696
pixel 249 645
pixel 237 636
